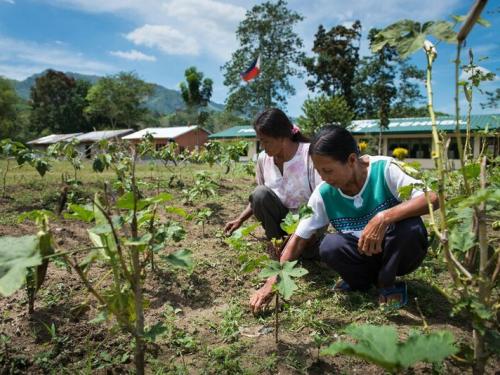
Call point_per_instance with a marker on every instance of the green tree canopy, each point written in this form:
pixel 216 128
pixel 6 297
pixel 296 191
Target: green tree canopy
pixel 333 67
pixel 267 30
pixel 323 110
pixel 196 93
pixel 8 109
pixel 58 102
pixel 119 99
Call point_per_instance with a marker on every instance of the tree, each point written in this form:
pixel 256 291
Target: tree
pixel 8 113
pixel 492 99
pixel 196 93
pixel 225 119
pixel 119 99
pixel 322 110
pixel 58 102
pixel 267 30
pixel 408 96
pixel 333 69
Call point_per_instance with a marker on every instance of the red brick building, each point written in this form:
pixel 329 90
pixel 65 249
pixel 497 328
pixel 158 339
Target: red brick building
pixel 186 137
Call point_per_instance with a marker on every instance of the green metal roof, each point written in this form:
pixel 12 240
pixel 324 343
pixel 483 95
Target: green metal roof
pixel 423 124
pixel 244 131
pixel 396 126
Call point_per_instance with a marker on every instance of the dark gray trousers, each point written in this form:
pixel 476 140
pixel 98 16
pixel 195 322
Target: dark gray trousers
pixel 404 248
pixel 269 210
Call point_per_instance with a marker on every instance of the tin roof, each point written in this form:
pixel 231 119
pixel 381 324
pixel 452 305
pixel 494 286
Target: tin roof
pixel 244 131
pixel 53 138
pixel 162 133
pixel 103 134
pixel 424 125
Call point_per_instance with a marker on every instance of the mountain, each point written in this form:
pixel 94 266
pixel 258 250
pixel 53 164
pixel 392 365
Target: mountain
pixel 163 100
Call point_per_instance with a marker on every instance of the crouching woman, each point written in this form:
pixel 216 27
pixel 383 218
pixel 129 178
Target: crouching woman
pixel 378 235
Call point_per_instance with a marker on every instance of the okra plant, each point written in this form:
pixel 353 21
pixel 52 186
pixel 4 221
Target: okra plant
pixel 468 197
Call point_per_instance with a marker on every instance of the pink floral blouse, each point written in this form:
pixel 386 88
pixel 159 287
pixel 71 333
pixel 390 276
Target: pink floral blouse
pixel 298 181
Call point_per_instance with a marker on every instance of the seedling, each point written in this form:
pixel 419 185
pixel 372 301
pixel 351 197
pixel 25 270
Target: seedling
pixel 201 218
pixel 284 286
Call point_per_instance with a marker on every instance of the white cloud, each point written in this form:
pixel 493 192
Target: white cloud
pixel 20 59
pixel 133 55
pixel 177 27
pixel 165 38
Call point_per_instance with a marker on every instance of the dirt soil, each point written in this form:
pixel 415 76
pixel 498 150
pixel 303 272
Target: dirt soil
pixel 211 329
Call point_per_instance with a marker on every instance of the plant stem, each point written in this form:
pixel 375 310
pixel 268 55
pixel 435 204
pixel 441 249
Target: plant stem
pixel 438 159
pixel 480 355
pixel 4 192
pixel 137 285
pixel 457 118
pixel 276 315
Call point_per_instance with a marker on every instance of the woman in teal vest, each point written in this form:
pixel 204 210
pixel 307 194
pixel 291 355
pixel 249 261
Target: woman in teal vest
pixel 378 235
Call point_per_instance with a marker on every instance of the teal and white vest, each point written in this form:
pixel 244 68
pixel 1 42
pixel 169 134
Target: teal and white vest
pixel 351 214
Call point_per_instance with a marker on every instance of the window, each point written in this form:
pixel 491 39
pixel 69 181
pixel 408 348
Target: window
pixel 418 148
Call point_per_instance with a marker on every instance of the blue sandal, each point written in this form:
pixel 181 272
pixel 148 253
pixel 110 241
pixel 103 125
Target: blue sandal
pixel 399 288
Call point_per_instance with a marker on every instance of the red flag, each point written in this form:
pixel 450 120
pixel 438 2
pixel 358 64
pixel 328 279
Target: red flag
pixel 252 72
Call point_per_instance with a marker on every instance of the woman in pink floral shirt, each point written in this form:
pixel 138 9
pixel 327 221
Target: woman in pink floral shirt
pixel 285 174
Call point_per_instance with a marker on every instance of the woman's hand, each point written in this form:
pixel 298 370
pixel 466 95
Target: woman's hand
pixel 232 226
pixel 262 297
pixel 371 239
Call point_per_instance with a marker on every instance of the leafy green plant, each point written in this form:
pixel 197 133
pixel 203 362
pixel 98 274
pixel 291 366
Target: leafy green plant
pixel 380 345
pixel 469 252
pixel 16 150
pixel 285 286
pixel 291 220
pixel 124 232
pixel 68 151
pixel 203 186
pixel 239 242
pixel 23 260
pixel 201 217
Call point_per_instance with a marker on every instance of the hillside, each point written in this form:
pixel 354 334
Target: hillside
pixel 163 101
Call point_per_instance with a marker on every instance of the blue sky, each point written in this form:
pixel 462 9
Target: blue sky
pixel 159 39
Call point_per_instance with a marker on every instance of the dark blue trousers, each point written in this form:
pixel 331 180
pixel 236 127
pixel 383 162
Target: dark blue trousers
pixel 404 248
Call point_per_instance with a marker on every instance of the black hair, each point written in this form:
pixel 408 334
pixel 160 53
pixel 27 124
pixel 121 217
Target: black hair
pixel 335 142
pixel 274 123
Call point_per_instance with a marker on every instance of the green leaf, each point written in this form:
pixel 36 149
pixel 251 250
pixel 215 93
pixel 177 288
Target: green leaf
pixel 405 191
pixel 483 22
pixel 16 255
pixel 83 213
pixel 182 259
pixel 285 272
pixel 154 331
pixel 472 171
pixel 273 268
pixel 442 30
pixel 126 202
pixel 380 345
pixel 160 198
pixel 461 239
pixel 286 286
